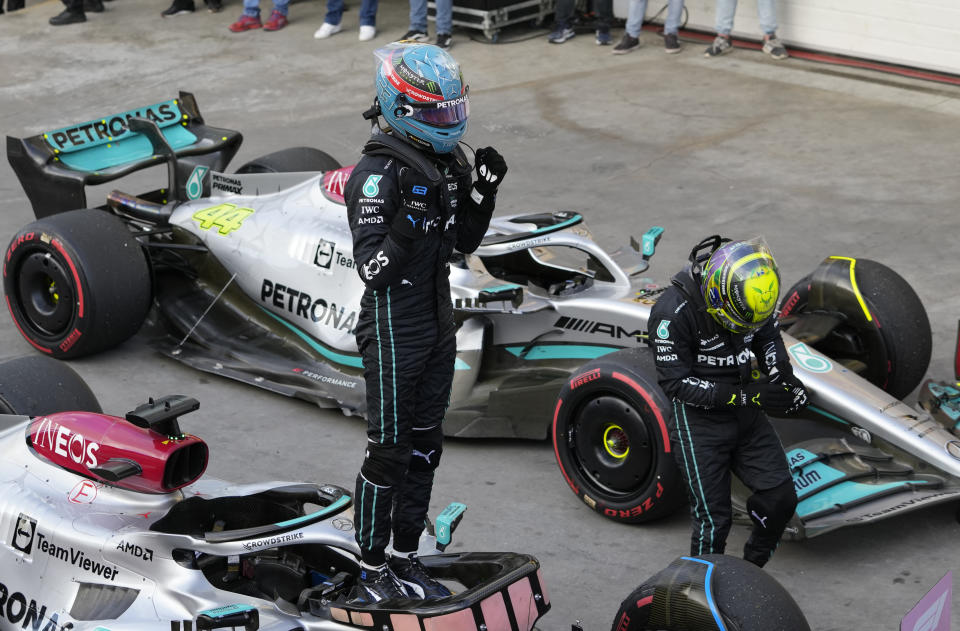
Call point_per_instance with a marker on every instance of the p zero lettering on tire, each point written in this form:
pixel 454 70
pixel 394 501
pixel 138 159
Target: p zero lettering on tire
pixel 611 440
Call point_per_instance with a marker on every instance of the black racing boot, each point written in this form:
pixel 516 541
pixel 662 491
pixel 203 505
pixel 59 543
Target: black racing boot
pixel 376 585
pixel 68 16
pixel 415 579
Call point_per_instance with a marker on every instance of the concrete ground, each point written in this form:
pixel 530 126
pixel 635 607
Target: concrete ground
pixel 820 160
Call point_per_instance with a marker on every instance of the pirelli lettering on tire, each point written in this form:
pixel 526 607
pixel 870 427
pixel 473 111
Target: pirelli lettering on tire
pixel 583 378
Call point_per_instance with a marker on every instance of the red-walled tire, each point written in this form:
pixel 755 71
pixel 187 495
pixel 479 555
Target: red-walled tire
pixel 76 283
pixel 611 440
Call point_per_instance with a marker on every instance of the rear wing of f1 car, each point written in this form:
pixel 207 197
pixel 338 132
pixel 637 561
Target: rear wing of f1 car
pixel 55 167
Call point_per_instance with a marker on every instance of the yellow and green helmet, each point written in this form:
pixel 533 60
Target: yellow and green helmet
pixel 741 285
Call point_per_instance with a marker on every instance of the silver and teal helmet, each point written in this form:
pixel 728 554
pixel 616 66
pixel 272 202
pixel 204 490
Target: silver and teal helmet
pixel 422 95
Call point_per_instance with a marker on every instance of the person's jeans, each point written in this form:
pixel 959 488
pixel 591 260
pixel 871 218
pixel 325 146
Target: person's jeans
pixel 368 12
pixel 638 8
pixel 563 14
pixel 418 15
pixel 252 7
pixel 766 12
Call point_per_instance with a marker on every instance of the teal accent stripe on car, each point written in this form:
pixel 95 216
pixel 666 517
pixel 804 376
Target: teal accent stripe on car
pixel 501 287
pixel 347 360
pixel 560 226
pixel 562 351
pixel 128 149
pixel 812 481
pixel 226 610
pixel 847 492
pixel 832 417
pixel 332 508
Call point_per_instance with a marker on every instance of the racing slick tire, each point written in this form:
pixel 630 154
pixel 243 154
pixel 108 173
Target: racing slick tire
pixel 38 384
pixel 740 594
pixel 76 283
pixel 611 440
pixel 291 160
pixel 894 346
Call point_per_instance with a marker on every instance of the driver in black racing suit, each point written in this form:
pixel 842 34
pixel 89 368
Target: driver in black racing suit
pixel 410 203
pixel 703 329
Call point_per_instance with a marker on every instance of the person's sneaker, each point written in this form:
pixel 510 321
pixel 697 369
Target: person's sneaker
pixel 326 30
pixel 415 579
pixel 628 44
pixel 246 23
pixel 214 6
pixel 414 35
pixel 93 6
pixel 377 585
pixel 179 7
pixel 367 33
pixel 774 47
pixel 68 17
pixel 721 46
pixel 671 44
pixel 603 37
pixel 561 33
pixel 444 40
pixel 276 22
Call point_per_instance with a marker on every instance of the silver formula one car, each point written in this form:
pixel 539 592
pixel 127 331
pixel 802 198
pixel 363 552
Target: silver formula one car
pixel 251 276
pixel 106 525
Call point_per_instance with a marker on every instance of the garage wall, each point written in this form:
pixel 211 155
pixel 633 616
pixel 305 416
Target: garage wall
pixel 920 33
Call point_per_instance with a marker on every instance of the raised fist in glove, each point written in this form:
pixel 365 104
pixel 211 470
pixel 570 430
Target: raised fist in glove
pixel 412 220
pixel 800 397
pixel 491 167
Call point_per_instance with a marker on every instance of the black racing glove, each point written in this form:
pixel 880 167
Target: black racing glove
pixel 761 394
pixel 412 220
pixel 491 167
pixel 800 397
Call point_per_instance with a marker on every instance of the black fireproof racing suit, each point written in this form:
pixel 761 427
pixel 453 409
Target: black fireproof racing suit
pixel 699 366
pixel 406 331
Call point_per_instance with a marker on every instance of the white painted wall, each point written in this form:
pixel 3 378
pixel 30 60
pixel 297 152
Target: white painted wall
pixel 920 33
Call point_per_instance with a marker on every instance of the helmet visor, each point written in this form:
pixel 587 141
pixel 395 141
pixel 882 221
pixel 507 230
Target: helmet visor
pixel 447 113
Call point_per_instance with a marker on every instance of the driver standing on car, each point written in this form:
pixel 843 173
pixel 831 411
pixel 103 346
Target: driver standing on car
pixel 410 200
pixel 703 329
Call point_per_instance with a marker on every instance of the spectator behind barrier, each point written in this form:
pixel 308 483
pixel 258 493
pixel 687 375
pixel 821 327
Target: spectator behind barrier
pixel 332 22
pixel 179 7
pixel 75 11
pixel 418 23
pixel 12 5
pixel 563 24
pixel 766 11
pixel 635 14
pixel 250 19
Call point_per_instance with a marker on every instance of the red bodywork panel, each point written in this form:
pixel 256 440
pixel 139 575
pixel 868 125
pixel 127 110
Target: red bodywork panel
pixel 81 441
pixel 334 183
